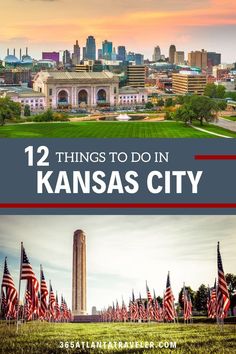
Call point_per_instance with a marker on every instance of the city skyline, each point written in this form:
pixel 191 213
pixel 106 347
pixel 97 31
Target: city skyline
pixel 188 251
pixel 201 24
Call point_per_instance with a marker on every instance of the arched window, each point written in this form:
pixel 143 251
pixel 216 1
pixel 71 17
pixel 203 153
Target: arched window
pixel 63 98
pixel 83 97
pixel 101 96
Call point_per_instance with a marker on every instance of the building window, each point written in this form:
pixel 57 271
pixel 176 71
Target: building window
pixel 50 92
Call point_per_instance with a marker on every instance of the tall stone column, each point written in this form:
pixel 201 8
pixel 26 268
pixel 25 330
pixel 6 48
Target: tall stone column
pixel 79 286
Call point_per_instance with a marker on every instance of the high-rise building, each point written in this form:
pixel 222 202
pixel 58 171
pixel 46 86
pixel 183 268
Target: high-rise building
pixel 138 59
pixel 66 58
pixel 156 54
pixel 99 54
pixel 172 51
pixel 84 53
pixel 136 75
pixel 107 50
pixel 76 54
pixel 179 58
pixel 90 48
pixel 79 285
pixel 213 58
pixel 131 56
pixel 55 56
pixel 198 58
pixel 121 53
pixel 188 83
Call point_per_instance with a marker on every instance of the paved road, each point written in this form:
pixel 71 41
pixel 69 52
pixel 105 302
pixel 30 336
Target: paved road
pixel 227 124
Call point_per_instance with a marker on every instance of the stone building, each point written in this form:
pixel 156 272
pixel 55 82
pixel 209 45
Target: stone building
pixel 65 90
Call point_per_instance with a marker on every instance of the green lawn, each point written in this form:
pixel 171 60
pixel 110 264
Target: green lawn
pixel 233 118
pixel 107 130
pixel 46 338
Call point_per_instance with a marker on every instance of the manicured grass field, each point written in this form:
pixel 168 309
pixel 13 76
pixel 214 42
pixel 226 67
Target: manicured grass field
pixel 107 130
pixel 46 338
pixel 233 118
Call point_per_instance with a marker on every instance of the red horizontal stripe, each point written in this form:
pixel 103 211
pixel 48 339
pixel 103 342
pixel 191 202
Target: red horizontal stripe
pixel 215 157
pixel 116 205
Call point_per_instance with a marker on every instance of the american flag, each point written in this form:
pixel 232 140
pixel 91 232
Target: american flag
pixel 43 294
pixel 223 301
pixel 142 311
pixel 28 308
pixel 28 274
pixel 150 310
pixel 52 301
pixel 62 308
pixel 10 292
pixel 156 308
pixel 187 304
pixel 211 302
pixel 168 302
pixel 124 312
pixel 134 308
pixel 118 312
pixel 3 304
pixel 57 309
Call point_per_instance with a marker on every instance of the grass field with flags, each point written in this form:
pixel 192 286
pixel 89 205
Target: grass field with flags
pixel 36 337
pixel 166 129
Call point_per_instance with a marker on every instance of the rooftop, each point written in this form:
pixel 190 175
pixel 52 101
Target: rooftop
pixel 66 75
pixel 21 91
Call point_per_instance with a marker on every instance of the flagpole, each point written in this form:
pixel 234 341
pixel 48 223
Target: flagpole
pixel 18 307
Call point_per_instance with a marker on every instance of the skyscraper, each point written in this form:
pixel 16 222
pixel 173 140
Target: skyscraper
pixel 172 51
pixel 107 50
pixel 84 53
pixel 99 54
pixel 179 58
pixel 76 54
pixel 156 54
pixel 198 58
pixel 66 59
pixel 121 53
pixel 90 48
pixel 213 58
pixel 139 59
pixel 79 286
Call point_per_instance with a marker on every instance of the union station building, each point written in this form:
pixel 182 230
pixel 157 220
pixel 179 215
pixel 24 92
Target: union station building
pixel 65 90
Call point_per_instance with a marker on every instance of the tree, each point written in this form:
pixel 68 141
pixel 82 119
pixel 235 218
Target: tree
pixel 160 103
pixel 27 112
pixel 184 113
pixel 201 298
pixel 221 105
pixel 47 116
pixel 149 105
pixel 179 99
pixel 199 108
pixel 8 109
pixel 220 91
pixel 231 282
pixel 210 90
pixel 204 108
pixel 190 292
pixel 169 102
pixel 214 91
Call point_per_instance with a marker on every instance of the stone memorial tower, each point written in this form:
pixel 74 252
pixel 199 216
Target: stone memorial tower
pixel 79 286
